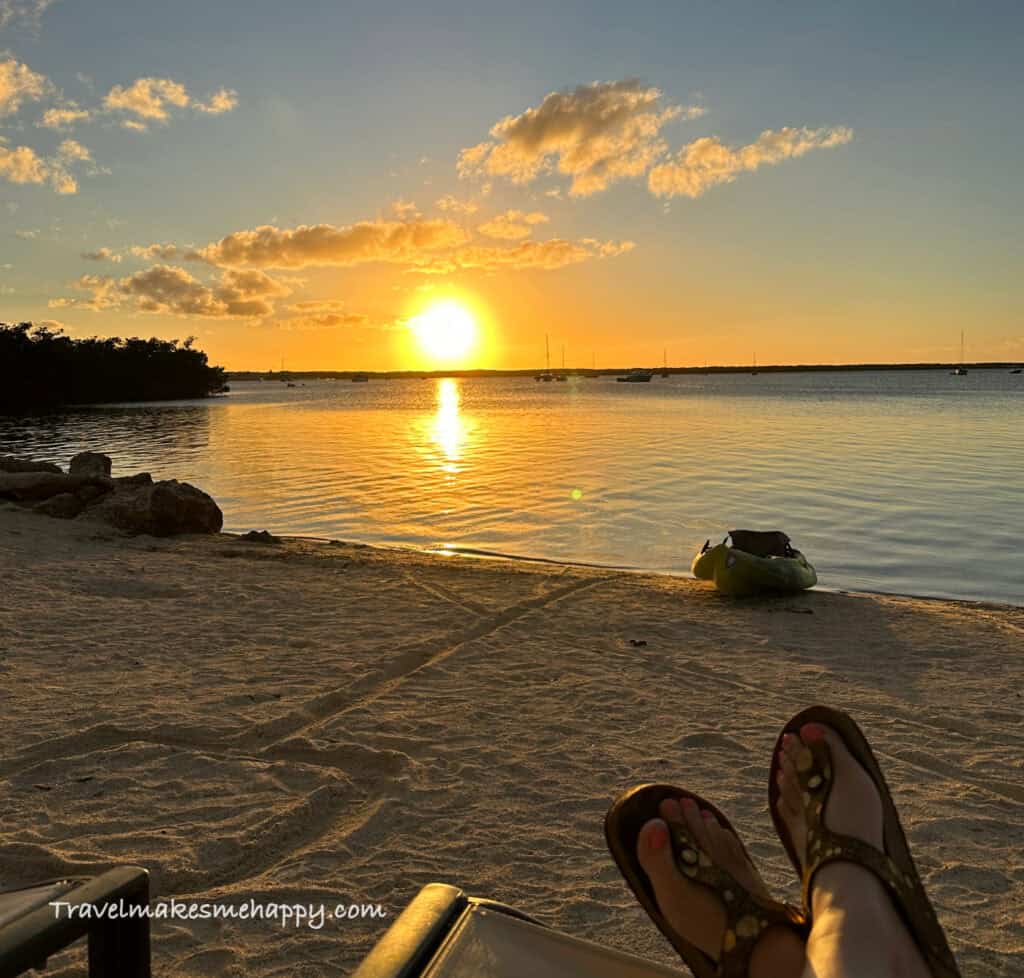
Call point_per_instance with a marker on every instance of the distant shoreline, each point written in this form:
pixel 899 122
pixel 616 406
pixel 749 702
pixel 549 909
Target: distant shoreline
pixel 606 371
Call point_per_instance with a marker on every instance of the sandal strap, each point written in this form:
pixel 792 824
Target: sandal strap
pixel 814 773
pixel 746 915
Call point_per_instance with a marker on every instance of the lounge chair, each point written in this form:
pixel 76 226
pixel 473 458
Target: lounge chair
pixel 443 933
pixel 31 929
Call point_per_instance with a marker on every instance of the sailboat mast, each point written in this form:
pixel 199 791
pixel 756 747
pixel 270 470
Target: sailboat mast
pixel 563 356
pixel 547 353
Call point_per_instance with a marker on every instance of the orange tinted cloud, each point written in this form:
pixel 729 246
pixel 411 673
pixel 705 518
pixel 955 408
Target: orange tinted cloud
pixel 706 162
pixel 175 291
pixel 596 134
pixel 512 225
pixel 327 244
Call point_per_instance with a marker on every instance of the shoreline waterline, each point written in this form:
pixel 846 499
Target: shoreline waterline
pixel 476 553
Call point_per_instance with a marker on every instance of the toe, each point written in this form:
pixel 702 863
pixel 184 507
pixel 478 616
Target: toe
pixel 789 787
pixel 695 823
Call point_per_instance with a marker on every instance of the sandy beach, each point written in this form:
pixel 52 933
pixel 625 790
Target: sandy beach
pixel 319 723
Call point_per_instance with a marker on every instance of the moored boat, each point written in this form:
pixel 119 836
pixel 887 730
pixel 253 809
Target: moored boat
pixel 638 375
pixel 756 563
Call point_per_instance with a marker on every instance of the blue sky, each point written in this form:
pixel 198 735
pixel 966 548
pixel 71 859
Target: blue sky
pixel 882 246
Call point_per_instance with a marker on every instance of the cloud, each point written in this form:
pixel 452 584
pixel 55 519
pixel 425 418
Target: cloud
pixel 404 210
pixel 175 291
pixel 147 98
pixel 455 206
pixel 706 162
pixel 64 117
pixel 22 11
pixel 102 254
pixel 221 101
pixel 330 245
pixel 165 252
pixel 317 305
pixel 23 165
pixel 19 84
pixel 543 255
pixel 596 134
pixel 512 225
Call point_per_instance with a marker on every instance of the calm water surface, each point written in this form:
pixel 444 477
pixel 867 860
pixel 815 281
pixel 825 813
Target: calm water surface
pixel 901 482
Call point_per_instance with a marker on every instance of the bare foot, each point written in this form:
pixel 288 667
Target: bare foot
pixel 695 911
pixel 857 929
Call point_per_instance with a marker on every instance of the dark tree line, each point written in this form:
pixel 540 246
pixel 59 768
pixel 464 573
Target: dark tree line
pixel 41 368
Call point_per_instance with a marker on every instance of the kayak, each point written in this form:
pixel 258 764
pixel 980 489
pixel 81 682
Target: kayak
pixel 739 573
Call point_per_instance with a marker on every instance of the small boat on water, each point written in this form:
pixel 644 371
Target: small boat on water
pixel 1016 370
pixel 960 371
pixel 546 376
pixel 638 375
pixel 562 377
pixel 758 562
pixel 664 360
pixel 360 378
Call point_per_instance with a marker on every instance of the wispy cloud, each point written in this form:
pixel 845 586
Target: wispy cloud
pixel 64 117
pixel 455 206
pixel 22 12
pixel 148 99
pixel 102 254
pixel 165 252
pixel 512 225
pixel 546 255
pixel 19 84
pixel 219 102
pixel 23 165
pixel 596 134
pixel 707 162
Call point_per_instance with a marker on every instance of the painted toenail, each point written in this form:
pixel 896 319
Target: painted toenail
pixel 687 803
pixel 707 814
pixel 657 837
pixel 812 731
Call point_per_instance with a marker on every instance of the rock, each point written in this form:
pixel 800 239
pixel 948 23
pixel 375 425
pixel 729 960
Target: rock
pixel 91 491
pixel 161 509
pixel 259 536
pixel 90 464
pixel 8 463
pixel 65 506
pixel 139 479
pixel 29 487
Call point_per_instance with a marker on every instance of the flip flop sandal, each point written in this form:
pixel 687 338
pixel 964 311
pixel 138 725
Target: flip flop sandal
pixel 894 867
pixel 747 915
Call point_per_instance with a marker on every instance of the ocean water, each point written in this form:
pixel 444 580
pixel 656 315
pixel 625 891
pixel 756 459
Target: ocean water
pixel 905 482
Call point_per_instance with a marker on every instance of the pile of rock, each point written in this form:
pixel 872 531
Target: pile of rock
pixel 133 503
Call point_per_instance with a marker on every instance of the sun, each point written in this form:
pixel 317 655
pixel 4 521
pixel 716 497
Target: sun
pixel 445 331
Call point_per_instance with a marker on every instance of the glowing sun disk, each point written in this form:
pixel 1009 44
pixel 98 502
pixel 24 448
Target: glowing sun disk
pixel 446 331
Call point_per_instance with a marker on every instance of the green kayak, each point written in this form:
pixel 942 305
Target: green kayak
pixel 757 562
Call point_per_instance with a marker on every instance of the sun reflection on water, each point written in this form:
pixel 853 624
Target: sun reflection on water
pixel 449 429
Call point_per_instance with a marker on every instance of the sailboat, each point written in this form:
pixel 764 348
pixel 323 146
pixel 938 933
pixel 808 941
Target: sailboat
pixel 664 369
pixel 753 373
pixel 547 376
pixel 562 376
pixel 960 371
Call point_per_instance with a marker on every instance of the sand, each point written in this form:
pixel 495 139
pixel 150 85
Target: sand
pixel 320 723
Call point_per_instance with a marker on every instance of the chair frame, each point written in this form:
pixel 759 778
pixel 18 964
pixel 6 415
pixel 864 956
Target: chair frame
pixel 118 948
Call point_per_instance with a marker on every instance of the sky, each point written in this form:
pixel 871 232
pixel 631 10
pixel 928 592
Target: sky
pixel 309 183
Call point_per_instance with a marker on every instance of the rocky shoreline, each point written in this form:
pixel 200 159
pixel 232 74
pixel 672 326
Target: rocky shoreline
pixel 133 503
